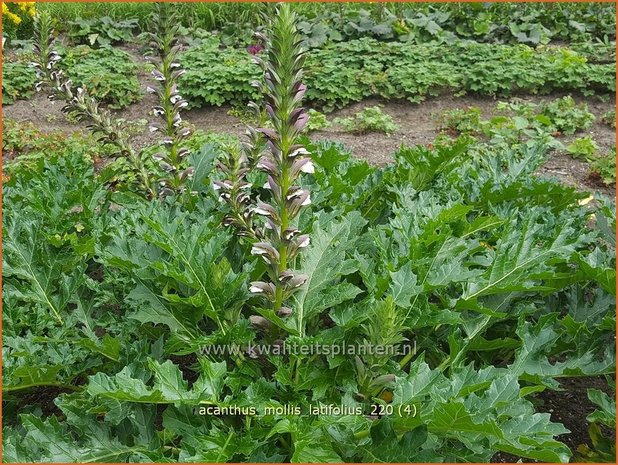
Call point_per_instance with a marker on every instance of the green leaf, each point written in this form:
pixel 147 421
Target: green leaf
pixel 519 258
pixel 453 417
pixel 325 263
pixel 315 448
pixel 26 377
pixel 153 309
pixel 417 385
pixel 168 387
pixel 386 447
pixel 403 286
pixel 607 412
pixel 55 444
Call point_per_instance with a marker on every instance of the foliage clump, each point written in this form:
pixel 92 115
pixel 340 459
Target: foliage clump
pixel 101 32
pixel 109 74
pixel 18 81
pixel 567 116
pixel 370 119
pixel 582 147
pixel 346 72
pixel 603 167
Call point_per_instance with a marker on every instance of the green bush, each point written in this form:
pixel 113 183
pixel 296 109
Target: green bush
pixel 462 121
pixel 567 116
pixel 18 81
pixel 317 121
pixel 584 147
pixel 603 167
pixel 109 74
pixel 370 119
pixel 216 77
pixel 609 118
pixel 102 32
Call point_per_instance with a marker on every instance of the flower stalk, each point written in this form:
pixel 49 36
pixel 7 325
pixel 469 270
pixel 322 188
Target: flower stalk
pixel 234 190
pixel 164 48
pixel 284 161
pixel 79 103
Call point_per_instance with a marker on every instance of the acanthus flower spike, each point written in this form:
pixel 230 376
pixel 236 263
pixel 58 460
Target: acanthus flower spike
pixel 81 105
pixel 164 49
pixel 286 159
pixel 238 191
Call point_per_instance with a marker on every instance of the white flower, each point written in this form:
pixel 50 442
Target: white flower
pixel 308 168
pixel 296 193
pixel 256 290
pixel 261 211
pixel 304 243
pixel 257 251
pixel 307 201
pixel 300 151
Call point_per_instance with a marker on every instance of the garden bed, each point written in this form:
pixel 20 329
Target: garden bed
pixel 418 124
pixel 411 259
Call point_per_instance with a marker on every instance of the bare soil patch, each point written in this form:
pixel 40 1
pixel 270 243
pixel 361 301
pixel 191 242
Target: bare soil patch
pixel 417 125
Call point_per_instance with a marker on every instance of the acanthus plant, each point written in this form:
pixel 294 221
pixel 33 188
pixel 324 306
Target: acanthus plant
pixel 236 162
pixel 79 103
pixel 278 241
pixel 164 48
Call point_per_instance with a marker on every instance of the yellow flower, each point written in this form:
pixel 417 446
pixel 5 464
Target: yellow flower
pixel 13 17
pixel 27 7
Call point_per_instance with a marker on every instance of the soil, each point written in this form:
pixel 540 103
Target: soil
pixel 417 125
pixel 42 397
pixel 571 407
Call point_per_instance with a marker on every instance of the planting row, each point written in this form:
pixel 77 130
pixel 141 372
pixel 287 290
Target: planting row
pixel 339 74
pixel 530 23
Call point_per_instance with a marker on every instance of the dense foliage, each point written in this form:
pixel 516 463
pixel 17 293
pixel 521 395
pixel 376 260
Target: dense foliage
pixel 149 293
pixel 475 261
pixel 488 22
pixel 370 119
pixel 18 81
pixel 350 71
pixel 101 31
pixel 109 74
